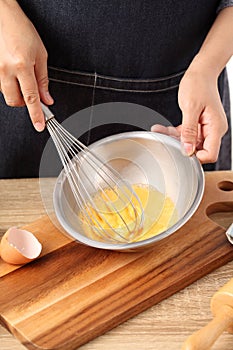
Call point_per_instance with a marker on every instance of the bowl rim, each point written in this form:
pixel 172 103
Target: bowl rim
pixel 143 243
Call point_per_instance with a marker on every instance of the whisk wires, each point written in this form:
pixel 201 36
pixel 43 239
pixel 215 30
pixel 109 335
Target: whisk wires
pixel 78 162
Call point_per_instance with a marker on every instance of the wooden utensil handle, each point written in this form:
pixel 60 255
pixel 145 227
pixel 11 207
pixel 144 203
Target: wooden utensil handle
pixel 204 338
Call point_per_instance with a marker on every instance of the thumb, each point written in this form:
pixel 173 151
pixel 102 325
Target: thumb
pixel 189 131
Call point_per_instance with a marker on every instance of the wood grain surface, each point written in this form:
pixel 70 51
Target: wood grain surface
pixel 163 326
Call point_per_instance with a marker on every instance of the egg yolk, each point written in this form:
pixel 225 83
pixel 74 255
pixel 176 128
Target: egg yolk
pixel 115 213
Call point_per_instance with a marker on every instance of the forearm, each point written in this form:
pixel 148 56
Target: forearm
pixel 8 5
pixel 217 48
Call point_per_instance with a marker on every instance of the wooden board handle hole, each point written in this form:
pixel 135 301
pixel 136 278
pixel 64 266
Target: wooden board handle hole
pixel 225 185
pixel 221 213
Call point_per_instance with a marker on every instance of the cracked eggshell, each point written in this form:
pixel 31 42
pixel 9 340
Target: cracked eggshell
pixel 19 247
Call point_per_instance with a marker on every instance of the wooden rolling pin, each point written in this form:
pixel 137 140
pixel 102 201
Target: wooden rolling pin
pixel 222 309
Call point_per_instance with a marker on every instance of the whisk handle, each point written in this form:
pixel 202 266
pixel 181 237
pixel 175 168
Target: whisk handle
pixel 47 113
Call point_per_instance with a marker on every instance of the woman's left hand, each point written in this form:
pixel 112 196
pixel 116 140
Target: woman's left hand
pixel 203 118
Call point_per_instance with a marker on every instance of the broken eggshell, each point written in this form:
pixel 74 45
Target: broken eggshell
pixel 19 247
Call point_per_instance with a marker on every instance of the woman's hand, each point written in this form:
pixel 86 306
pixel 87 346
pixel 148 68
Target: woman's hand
pixel 23 63
pixel 204 121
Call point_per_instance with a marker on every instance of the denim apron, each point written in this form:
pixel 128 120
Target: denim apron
pixel 130 51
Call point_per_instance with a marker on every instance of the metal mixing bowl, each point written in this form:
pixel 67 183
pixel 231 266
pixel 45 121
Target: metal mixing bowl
pixel 140 157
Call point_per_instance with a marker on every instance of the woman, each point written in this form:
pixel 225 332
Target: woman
pixel 169 56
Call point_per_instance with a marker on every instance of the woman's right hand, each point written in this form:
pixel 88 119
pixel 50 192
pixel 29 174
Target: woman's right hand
pixel 23 63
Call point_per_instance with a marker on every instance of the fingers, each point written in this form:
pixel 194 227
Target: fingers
pixel 210 150
pixel 30 92
pixel 27 90
pixel 212 134
pixel 189 131
pixel 28 86
pixel 11 91
pixel 167 130
pixel 41 73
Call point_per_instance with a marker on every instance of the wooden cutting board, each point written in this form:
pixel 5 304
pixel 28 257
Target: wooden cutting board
pixel 74 293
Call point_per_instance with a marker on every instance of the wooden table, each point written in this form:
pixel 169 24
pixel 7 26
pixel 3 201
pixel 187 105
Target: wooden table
pixel 163 326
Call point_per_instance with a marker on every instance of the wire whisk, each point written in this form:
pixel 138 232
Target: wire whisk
pixel 107 206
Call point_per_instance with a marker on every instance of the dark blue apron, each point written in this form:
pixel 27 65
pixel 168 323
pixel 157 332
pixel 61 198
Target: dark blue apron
pixel 133 52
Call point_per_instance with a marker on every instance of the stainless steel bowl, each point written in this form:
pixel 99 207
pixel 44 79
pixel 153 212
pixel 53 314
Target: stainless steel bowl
pixel 146 158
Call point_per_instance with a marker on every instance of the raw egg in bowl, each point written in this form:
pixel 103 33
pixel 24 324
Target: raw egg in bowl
pixel 169 184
